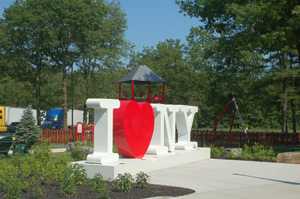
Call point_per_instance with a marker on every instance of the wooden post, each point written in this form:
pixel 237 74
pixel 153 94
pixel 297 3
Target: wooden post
pixel 148 96
pixel 132 91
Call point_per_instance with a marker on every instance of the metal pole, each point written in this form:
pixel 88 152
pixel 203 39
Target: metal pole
pixel 237 110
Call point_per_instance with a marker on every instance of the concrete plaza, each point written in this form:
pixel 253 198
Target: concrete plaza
pixel 232 179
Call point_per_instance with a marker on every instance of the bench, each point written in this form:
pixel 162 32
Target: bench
pixel 23 148
pixel 5 144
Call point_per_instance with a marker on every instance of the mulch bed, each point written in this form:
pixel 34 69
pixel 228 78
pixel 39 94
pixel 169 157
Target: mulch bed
pixel 52 191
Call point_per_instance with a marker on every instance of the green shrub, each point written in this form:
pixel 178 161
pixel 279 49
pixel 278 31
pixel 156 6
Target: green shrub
pixel 30 171
pixel 230 155
pixel 42 152
pixel 12 185
pixel 123 183
pixel 247 153
pixel 98 185
pixel 216 152
pixel 79 174
pixel 77 153
pixel 258 152
pixel 67 184
pixel 38 191
pixel 142 180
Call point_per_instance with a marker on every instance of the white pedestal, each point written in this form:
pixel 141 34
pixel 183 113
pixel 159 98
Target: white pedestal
pixel 147 164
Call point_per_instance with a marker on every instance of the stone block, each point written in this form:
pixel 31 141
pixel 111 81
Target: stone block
pixel 236 152
pixel 289 157
pixel 85 149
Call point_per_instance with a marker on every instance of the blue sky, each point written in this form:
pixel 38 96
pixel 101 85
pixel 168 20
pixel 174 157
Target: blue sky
pixel 149 21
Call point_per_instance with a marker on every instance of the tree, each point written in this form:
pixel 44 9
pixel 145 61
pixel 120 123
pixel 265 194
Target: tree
pixel 26 45
pixel 43 35
pixel 101 43
pixel 252 29
pixel 27 127
pixel 90 31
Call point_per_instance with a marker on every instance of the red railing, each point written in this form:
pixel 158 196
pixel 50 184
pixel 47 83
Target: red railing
pixel 238 138
pixel 63 137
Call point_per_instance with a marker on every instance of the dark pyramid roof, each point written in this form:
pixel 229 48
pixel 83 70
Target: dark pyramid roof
pixel 142 75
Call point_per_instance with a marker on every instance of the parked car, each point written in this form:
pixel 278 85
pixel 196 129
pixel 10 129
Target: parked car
pixel 12 127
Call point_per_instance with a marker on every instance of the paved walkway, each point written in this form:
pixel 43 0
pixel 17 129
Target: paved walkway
pixel 232 179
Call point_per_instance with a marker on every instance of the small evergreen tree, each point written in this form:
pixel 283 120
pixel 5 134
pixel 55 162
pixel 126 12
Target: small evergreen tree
pixel 27 127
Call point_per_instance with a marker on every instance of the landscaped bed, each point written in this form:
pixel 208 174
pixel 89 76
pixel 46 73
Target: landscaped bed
pixel 52 190
pixel 42 174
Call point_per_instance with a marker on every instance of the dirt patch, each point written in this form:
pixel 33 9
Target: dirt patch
pixel 51 190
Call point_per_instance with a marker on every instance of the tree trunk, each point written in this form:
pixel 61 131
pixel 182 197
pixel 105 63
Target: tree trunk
pixel 298 49
pixel 284 96
pixel 293 107
pixel 85 115
pixel 87 91
pixel 65 102
pixel 38 95
pixel 38 105
pixel 265 121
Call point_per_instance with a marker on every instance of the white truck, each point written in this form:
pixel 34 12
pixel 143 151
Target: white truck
pixel 11 116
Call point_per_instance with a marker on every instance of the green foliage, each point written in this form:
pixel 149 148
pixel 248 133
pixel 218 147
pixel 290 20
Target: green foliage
pixel 70 177
pixel 38 191
pixel 77 152
pixel 216 152
pixel 123 183
pixel 13 93
pixel 17 174
pixel 68 184
pixel 142 180
pixel 44 38
pixel 79 174
pixel 251 49
pixel 231 155
pixel 12 184
pixel 167 60
pixel 258 152
pixel 98 185
pixel 42 152
pixel 247 48
pixel 27 127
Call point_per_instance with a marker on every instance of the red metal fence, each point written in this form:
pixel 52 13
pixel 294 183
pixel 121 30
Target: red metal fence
pixel 63 137
pixel 203 137
pixel 238 138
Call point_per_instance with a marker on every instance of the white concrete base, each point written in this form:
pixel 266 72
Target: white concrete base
pixel 147 164
pixel 157 150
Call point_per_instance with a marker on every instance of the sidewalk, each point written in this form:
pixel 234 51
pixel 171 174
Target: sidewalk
pixel 232 179
pixel 56 150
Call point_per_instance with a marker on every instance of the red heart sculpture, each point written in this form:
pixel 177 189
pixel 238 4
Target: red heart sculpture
pixel 133 128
